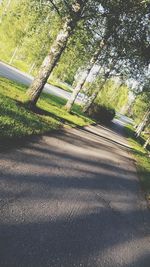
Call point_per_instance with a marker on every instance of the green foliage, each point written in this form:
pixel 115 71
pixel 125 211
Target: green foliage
pixel 140 106
pixel 101 113
pixel 110 94
pixel 31 27
pixel 31 30
pixel 142 158
pixel 76 55
pixel 113 95
pixel 16 120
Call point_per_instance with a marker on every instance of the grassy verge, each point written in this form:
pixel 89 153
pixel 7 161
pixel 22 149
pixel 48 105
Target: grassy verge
pixel 142 159
pixel 16 120
pixel 60 84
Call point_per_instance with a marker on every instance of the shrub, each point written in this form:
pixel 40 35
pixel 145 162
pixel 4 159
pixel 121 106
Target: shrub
pixel 101 113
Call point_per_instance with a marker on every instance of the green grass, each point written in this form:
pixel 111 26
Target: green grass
pixel 60 84
pixel 142 158
pixel 16 120
pixel 21 65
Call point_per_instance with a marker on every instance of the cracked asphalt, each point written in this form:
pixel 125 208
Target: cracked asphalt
pixel 73 198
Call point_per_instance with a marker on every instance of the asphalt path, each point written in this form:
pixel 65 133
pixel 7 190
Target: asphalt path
pixel 14 74
pixel 73 198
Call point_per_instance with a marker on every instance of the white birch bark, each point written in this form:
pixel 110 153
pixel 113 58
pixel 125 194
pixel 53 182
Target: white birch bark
pixel 55 52
pixel 142 125
pixel 32 67
pixel 14 54
pixel 147 142
pixel 93 97
pixel 81 83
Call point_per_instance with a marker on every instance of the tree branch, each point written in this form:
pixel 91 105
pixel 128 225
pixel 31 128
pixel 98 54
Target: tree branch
pixel 55 7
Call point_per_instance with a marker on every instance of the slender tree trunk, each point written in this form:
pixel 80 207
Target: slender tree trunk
pixel 142 125
pixel 139 129
pixel 81 83
pixel 147 142
pixel 96 92
pixel 77 89
pixel 14 54
pixel 19 45
pixel 32 67
pixel 93 97
pixel 50 62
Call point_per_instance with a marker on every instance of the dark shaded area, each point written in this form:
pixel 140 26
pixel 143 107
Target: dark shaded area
pixel 101 113
pixel 71 199
pixel 69 242
pixel 42 112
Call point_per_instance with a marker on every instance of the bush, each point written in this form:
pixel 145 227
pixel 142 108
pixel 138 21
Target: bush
pixel 101 113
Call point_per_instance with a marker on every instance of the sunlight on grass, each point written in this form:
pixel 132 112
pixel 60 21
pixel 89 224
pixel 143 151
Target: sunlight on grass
pixel 16 120
pixel 60 84
pixel 142 158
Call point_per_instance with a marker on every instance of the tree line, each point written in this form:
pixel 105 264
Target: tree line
pixel 67 35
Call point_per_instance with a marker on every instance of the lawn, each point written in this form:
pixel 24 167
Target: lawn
pixel 142 158
pixel 16 120
pixel 61 85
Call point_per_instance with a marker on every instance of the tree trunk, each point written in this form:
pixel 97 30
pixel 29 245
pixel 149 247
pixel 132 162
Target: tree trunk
pixel 50 61
pixel 147 142
pixel 76 90
pixel 143 124
pixel 96 92
pixel 14 54
pixel 31 68
pixel 81 83
pixel 93 97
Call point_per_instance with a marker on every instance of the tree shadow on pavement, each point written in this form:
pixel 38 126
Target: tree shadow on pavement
pixel 75 241
pixel 71 200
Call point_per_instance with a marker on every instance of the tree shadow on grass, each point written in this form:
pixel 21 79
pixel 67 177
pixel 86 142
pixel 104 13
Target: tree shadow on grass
pixel 43 112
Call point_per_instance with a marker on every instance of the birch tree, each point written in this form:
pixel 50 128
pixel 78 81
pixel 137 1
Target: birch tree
pixel 110 68
pixel 75 12
pixel 101 41
pixel 83 79
pixel 120 35
pixel 141 108
pixel 143 124
pixel 147 141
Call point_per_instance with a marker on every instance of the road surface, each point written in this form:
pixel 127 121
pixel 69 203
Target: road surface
pixel 73 199
pixel 26 79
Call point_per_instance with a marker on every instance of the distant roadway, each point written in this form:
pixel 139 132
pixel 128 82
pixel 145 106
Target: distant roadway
pixel 26 79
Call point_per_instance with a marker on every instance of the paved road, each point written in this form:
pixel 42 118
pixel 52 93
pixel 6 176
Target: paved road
pixel 73 199
pixel 24 78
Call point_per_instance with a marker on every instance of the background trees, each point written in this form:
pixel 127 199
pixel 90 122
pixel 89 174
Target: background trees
pixel 74 12
pixel 114 30
pixel 31 28
pixel 121 37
